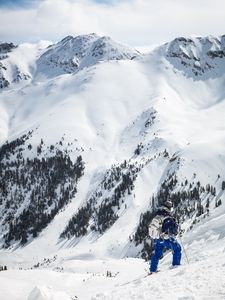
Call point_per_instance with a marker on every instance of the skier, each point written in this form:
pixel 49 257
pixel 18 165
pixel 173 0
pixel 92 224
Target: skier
pixel 163 229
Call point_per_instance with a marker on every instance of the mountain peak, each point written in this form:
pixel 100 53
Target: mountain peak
pixel 198 57
pixel 74 53
pixel 83 37
pixel 6 47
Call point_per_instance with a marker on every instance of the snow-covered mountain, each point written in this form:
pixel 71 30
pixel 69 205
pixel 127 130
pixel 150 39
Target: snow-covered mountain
pixel 9 69
pixel 18 62
pixel 73 54
pixel 94 135
pixel 200 58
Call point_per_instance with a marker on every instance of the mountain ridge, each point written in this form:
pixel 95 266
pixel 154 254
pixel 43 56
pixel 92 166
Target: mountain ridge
pixel 197 56
pixel 128 120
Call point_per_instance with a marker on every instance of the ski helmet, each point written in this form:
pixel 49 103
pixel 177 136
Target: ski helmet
pixel 168 204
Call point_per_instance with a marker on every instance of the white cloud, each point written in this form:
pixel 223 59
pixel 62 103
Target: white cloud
pixel 135 22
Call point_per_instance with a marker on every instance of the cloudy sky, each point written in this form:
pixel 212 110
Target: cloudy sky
pixel 134 22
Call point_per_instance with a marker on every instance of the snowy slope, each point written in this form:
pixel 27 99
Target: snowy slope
pixel 74 277
pixel 17 63
pixel 157 114
pixel 111 132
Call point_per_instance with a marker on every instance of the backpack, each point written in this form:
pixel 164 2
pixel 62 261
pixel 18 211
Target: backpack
pixel 162 226
pixel 169 226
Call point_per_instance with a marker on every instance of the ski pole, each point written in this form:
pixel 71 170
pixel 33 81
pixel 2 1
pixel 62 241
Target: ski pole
pixel 185 253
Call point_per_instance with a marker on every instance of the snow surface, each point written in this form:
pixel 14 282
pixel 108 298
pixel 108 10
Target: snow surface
pixel 85 277
pixel 103 108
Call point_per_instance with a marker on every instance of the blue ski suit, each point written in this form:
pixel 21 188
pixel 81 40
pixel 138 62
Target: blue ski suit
pixel 166 241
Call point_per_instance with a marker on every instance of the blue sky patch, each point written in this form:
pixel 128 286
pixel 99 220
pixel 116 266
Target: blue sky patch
pixel 17 3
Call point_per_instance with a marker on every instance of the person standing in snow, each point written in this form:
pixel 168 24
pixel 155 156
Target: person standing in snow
pixel 163 230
